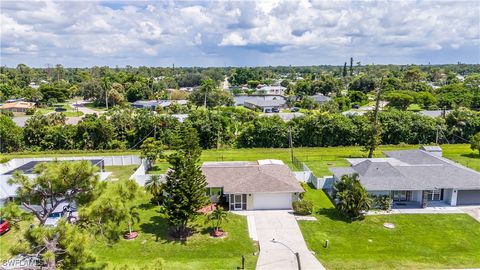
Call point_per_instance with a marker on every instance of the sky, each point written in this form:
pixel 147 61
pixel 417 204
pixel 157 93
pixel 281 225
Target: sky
pixel 238 33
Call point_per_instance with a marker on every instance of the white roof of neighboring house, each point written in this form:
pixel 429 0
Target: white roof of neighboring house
pixel 436 113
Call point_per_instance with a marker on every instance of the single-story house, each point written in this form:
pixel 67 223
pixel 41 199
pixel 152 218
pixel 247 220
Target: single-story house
pixel 266 106
pixel 8 192
pixel 285 116
pixel 240 100
pixel 320 98
pixel 271 90
pixel 436 113
pixel 263 184
pixel 17 106
pixel 417 178
pixel 153 104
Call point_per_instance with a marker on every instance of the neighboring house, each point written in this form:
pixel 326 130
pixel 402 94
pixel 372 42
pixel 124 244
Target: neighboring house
pixel 271 90
pixel 153 104
pixel 266 106
pixel 264 184
pixel 417 178
pixel 320 98
pixel 17 106
pixel 8 192
pixel 436 113
pixel 240 100
pixel 285 116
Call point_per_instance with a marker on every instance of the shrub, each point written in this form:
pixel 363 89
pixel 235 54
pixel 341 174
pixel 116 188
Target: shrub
pixel 30 111
pixel 303 207
pixel 383 202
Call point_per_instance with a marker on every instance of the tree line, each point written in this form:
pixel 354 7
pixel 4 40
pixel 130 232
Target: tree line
pixel 227 127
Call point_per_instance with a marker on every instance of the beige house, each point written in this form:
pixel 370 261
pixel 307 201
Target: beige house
pixel 18 106
pixel 263 184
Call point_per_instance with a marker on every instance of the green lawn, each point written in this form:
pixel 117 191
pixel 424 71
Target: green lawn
pixel 418 241
pixel 154 246
pixel 121 172
pixel 318 159
pixel 200 251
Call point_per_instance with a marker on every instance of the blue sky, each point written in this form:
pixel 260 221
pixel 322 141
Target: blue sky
pixel 238 33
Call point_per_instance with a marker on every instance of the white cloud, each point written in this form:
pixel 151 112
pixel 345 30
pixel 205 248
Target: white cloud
pixel 197 32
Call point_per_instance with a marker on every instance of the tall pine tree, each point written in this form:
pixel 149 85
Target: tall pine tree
pixel 185 183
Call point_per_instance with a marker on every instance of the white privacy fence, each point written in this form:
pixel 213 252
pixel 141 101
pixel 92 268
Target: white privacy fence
pixel 140 175
pixel 307 176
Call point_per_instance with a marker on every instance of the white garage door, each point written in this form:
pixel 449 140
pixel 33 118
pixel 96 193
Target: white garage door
pixel 263 201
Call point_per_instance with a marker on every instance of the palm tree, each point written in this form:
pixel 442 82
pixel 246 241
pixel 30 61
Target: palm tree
pixel 155 186
pixel 133 217
pixel 352 198
pixel 218 216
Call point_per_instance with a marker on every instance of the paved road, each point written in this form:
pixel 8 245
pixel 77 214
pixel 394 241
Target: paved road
pixel 81 107
pixel 280 237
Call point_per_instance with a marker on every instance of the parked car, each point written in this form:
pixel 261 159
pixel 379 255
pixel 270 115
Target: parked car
pixel 65 210
pixel 4 226
pixel 355 106
pixel 275 110
pixel 295 109
pixel 60 109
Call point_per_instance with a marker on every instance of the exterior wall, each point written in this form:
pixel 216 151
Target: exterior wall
pixel 447 195
pixel 453 197
pixel 295 196
pixel 417 195
pixel 249 201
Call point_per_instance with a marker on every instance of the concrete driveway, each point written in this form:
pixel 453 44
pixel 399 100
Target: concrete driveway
pixel 280 238
pixel 473 211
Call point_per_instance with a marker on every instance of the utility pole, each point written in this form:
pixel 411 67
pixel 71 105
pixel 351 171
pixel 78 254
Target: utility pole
pixel 106 98
pixel 290 141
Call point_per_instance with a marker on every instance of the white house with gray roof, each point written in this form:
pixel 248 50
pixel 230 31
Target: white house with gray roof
pixel 246 185
pixel 416 177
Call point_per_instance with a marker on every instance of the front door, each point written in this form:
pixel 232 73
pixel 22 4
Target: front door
pixel 237 201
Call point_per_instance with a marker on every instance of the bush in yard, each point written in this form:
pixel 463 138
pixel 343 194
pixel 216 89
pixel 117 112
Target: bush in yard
pixel 383 202
pixel 352 200
pixel 303 207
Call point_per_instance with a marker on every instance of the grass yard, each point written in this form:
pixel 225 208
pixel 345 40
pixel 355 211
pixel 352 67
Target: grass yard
pixel 418 241
pixel 154 246
pixel 121 172
pixel 318 159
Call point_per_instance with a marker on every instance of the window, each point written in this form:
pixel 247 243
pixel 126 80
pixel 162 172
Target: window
pixel 401 195
pixel 434 195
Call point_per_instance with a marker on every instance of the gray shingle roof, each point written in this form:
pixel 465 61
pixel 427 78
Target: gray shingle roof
pixel 411 170
pixel 250 177
pixel 267 103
